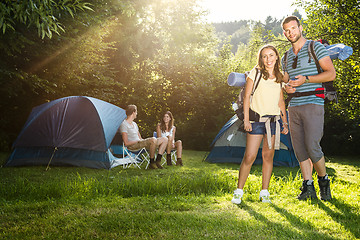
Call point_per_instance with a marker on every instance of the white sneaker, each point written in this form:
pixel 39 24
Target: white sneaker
pixel 265 196
pixel 238 194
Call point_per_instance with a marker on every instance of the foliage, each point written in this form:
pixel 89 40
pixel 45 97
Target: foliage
pixel 238 30
pixel 157 54
pixel 42 14
pixel 25 80
pixel 189 202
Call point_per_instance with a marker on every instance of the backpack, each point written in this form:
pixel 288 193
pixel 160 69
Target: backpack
pixel 240 103
pixel 327 92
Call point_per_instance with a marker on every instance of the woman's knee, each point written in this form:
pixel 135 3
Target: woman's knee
pixel 249 158
pixel 268 155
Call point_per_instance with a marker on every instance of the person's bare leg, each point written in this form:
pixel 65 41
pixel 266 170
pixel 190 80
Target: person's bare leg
pixel 268 157
pixel 178 147
pixel 306 169
pixel 252 146
pixel 152 147
pixel 320 167
pixel 168 147
pixel 162 143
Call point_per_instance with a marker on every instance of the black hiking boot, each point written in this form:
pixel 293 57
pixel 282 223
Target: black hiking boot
pixel 152 164
pixel 307 191
pixel 158 161
pixel 325 193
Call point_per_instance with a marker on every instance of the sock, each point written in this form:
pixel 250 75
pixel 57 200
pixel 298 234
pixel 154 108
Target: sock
pixel 323 178
pixel 264 191
pixel 151 160
pixel 309 182
pixel 158 157
pixel 239 191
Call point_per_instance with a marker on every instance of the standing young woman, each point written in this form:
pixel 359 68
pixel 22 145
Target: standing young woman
pixel 167 129
pixel 262 115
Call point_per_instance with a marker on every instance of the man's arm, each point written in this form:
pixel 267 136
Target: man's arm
pixel 327 75
pixel 126 140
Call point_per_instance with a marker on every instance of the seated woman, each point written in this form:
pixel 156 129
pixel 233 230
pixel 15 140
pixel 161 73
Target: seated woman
pixel 167 129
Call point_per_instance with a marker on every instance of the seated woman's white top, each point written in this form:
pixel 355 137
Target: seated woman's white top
pixel 169 133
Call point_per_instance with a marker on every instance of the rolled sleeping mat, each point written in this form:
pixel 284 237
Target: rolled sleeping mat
pixel 340 51
pixel 236 79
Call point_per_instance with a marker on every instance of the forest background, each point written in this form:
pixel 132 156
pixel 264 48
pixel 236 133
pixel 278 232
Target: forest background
pixel 160 55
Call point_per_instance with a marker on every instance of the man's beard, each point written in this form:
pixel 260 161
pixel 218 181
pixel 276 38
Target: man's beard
pixel 296 39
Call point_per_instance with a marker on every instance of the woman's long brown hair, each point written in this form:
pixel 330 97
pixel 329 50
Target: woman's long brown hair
pixel 171 123
pixel 278 74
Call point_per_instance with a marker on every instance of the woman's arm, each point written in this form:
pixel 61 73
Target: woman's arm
pixel 248 89
pixel 283 113
pixel 171 138
pixel 158 130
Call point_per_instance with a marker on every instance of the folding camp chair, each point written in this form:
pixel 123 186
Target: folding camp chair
pixel 172 152
pixel 118 153
pixel 137 158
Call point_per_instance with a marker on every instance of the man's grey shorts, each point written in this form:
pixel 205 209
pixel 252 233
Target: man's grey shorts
pixel 306 123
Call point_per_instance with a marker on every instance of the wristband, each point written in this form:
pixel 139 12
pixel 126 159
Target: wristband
pixel 307 79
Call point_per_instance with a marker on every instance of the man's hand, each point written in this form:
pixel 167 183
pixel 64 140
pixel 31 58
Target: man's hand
pixel 298 81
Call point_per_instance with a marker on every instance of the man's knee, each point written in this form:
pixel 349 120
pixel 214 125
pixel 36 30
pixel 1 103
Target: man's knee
pixel 163 140
pixel 151 141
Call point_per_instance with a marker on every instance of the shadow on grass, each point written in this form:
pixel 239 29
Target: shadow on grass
pixel 300 228
pixel 345 215
pixel 3 158
pixel 351 161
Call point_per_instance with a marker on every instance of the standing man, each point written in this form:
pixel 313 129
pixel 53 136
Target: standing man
pixel 133 141
pixel 306 113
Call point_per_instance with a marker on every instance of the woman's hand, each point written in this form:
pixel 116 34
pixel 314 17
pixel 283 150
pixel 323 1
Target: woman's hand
pixel 289 88
pixel 247 126
pixel 285 129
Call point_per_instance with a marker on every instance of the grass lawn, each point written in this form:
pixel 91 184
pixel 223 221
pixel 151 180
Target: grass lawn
pixel 189 202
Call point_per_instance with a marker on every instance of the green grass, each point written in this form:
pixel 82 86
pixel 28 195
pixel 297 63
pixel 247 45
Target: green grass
pixel 189 202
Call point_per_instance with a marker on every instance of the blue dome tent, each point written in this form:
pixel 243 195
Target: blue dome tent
pixel 70 131
pixel 230 143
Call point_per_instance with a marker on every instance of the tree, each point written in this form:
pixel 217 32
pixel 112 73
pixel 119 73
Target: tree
pixel 42 14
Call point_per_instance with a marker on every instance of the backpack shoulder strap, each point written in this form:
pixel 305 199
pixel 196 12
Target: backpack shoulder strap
pixel 311 52
pixel 256 80
pixel 285 59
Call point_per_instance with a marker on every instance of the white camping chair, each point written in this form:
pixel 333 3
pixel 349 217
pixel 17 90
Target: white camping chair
pixel 119 157
pixel 172 153
pixel 137 158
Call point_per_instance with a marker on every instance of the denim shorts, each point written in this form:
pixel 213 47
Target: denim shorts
pixel 258 128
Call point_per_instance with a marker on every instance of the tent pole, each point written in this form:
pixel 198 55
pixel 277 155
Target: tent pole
pixel 48 166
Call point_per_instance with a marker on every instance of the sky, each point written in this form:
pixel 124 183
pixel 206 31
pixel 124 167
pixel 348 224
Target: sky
pixel 231 10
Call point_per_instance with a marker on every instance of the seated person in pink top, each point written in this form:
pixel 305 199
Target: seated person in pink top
pixel 167 129
pixel 133 141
